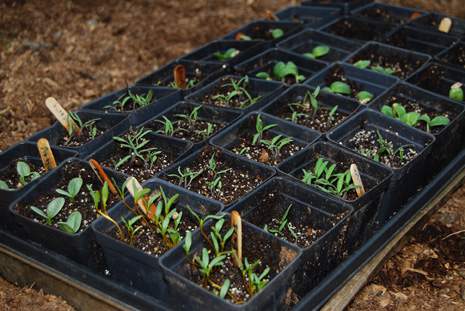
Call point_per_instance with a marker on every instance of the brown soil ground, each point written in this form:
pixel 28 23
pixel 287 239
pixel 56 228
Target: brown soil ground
pixel 78 50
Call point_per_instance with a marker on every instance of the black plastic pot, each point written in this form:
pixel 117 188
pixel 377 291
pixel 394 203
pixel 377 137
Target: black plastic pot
pixel 405 180
pixel 206 113
pixel 297 93
pixel 449 139
pixel 431 22
pixel 255 87
pixel 305 41
pixel 206 53
pixel 190 296
pixel 78 247
pixel 111 124
pixel 419 40
pixel 454 56
pixel 174 148
pixel 301 136
pixel 133 267
pixel 203 73
pixel 357 29
pixel 345 5
pixel 364 80
pixel 25 151
pixel 387 56
pixel 312 17
pixel 105 103
pixel 386 13
pixel 437 78
pixel 261 30
pixel 233 161
pixel 268 59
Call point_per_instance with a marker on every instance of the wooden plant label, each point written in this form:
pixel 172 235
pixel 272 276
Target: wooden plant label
pixel 61 114
pixel 46 154
pixel 236 222
pixel 415 15
pixel 179 74
pixel 357 180
pixel 133 187
pixel 102 176
pixel 445 25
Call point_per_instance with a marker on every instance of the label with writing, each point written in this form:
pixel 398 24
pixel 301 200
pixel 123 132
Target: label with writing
pixel 236 222
pixel 357 179
pixel 445 25
pixel 60 114
pixel 46 154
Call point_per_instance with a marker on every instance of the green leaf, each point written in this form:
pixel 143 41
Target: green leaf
pixel 4 186
pixel 263 75
pixel 388 111
pixel 320 51
pixel 187 242
pixel 225 288
pixel 340 88
pixel 54 207
pixel 456 92
pixel 364 97
pixel 277 33
pixel 74 186
pixel 309 55
pixel 439 121
pixel 282 70
pixel 362 64
pixel 72 224
pixel 38 212
pixel 399 110
pixel 410 118
pixel 23 169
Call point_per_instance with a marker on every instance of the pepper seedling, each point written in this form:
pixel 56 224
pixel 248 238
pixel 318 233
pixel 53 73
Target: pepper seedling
pixel 89 125
pixel 260 129
pixel 456 92
pixel 139 101
pixel 283 224
pixel 131 227
pixel 226 55
pixel 238 90
pixel 73 188
pixel 318 52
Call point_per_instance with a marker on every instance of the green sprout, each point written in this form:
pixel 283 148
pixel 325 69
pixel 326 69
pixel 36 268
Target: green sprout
pixel 186 176
pixel 168 127
pixel 456 92
pixel 281 71
pixel 256 282
pixel 215 184
pixel 201 221
pixel 131 227
pixel 100 197
pixel 275 144
pixel 366 64
pixel 227 55
pixel 260 128
pixel 187 242
pixel 224 288
pixel 206 132
pixel 89 125
pixel 25 174
pixel 53 208
pixel 276 33
pixel 72 223
pixel 284 224
pixel 192 117
pixel 364 97
pixel 318 52
pixel 339 87
pixel 206 265
pixel 238 90
pixel 139 101
pixel 219 240
pixel 74 186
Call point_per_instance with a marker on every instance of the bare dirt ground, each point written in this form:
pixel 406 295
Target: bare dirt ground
pixel 79 50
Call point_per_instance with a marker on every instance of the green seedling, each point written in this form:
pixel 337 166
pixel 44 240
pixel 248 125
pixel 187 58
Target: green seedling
pixel 25 174
pixel 74 186
pixel 100 197
pixel 256 282
pixel 89 125
pixel 227 55
pixel 260 129
pixel 339 87
pixel 136 143
pixel 206 265
pixel 366 64
pixel 275 144
pixel 224 288
pixel 186 176
pixel 434 122
pixel 283 70
pixel 456 92
pixel 219 240
pixel 72 224
pixel 139 101
pixel 189 84
pixel 201 221
pixel 187 242
pixel 276 33
pixel 192 117
pixel 132 228
pixel 53 208
pixel 318 52
pixel 206 132
pixel 4 186
pixel 238 90
pixel 283 224
pixel 168 127
pixel 215 184
pixel 364 97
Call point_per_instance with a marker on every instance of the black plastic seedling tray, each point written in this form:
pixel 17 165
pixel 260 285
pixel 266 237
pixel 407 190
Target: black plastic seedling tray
pixel 312 17
pixel 388 13
pixel 431 22
pixel 345 5
pixel 261 30
pixel 454 56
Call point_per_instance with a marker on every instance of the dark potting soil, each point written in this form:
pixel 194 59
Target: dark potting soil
pixel 259 152
pixel 149 240
pixel 383 15
pixel 434 79
pixel 353 30
pixel 235 181
pixel 456 56
pixel 402 67
pixel 225 95
pixel 338 74
pixel 10 175
pixel 260 32
pixel 83 138
pixel 413 105
pixel 82 203
pixel 367 143
pixel 255 247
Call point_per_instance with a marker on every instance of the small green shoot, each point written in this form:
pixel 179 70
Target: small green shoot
pixel 53 208
pixel 456 92
pixel 226 55
pixel 260 129
pixel 276 33
pixel 366 64
pixel 72 224
pixel 131 227
pixel 318 52
pixel 25 174
pixel 74 186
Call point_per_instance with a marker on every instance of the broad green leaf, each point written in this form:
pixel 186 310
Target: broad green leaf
pixel 54 207
pixel 38 212
pixel 309 55
pixel 387 110
pixel 399 110
pixel 4 186
pixel 23 169
pixel 277 33
pixel 364 97
pixel 340 88
pixel 439 121
pixel 456 92
pixel 263 75
pixel 362 64
pixel 74 186
pixel 320 50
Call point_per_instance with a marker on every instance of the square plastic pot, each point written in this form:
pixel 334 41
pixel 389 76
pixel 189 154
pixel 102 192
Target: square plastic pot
pixel 79 247
pixel 203 73
pixel 261 30
pixel 206 113
pixel 389 55
pixel 131 266
pixel 268 59
pixel 173 147
pixel 386 13
pixel 357 29
pixel 311 17
pixel 305 41
pixel 206 53
pixel 111 124
pixel 190 296
pixel 255 87
pixel 233 161
pixel 437 78
pixel 30 153
pixel 345 5
pixel 301 136
pixel 104 104
pixel 419 40
pixel 431 22
pixel 297 93
pixel 449 140
pixel 454 56
pixel 364 80
pixel 405 180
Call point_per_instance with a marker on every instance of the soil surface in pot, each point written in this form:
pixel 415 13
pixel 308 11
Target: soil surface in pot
pixel 337 74
pixel 374 145
pixel 83 202
pixel 234 181
pixel 86 135
pixel 10 175
pixel 231 93
pixel 455 56
pixel 382 15
pixel 354 30
pixel 434 79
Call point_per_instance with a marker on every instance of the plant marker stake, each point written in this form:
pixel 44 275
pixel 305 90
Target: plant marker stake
pixel 102 176
pixel 134 186
pixel 236 222
pixel 415 15
pixel 238 36
pixel 270 16
pixel 179 73
pixel 357 180
pixel 46 154
pixel 445 25
pixel 61 114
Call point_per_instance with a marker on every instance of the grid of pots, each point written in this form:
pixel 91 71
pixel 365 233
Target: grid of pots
pixel 269 131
